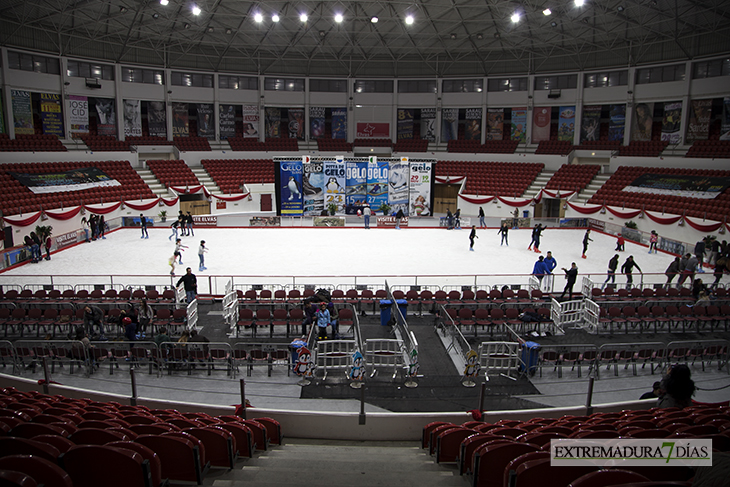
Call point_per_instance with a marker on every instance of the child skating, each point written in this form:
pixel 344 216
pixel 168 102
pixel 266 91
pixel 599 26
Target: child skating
pixel 472 236
pixel 586 238
pixel 171 261
pixel 201 255
pixel 179 249
pixel 653 239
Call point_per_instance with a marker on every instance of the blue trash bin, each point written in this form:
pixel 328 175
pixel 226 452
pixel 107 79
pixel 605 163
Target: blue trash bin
pixel 530 353
pixel 385 311
pixel 526 214
pixel 403 305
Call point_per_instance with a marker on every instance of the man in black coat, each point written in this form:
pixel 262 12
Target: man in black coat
pixel 191 285
pixel 571 275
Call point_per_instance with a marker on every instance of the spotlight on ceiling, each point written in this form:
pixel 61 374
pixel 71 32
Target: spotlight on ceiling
pixel 258 18
pixel 122 9
pixel 553 24
pixel 496 35
pixel 339 18
pixel 155 15
pixel 229 31
pixel 374 19
pixel 322 33
pixel 453 36
pixel 620 8
pixel 579 3
pixel 409 19
pixel 196 10
pixel 480 36
pixel 275 18
pixel 515 17
pixel 210 28
pixel 303 17
pixel 186 25
pixel 164 2
pixel 547 12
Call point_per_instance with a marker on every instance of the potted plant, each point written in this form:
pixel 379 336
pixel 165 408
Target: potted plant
pixel 332 208
pixel 630 224
pixel 385 208
pixel 163 215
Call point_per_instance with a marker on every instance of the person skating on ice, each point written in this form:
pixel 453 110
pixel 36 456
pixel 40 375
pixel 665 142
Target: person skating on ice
pixel 143 224
pixel 532 241
pixel 586 238
pixel 611 274
pixel 189 224
pixel 538 234
pixel 366 212
pixel 171 262
pixel 627 269
pixel 202 249
pixel 653 239
pixel 457 219
pixel 571 275
pixel 472 236
pixel 449 219
pixel 551 264
pixel 504 230
pixel 175 226
pixel 481 218
pixel 179 249
pixel 620 242
pixel 398 217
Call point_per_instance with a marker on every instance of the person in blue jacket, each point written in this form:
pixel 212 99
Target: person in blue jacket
pixel 551 264
pixel 540 269
pixel 323 320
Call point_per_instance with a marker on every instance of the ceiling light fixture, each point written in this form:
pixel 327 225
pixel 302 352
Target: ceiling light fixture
pixel 579 3
pixel 164 2
pixel 275 18
pixel 496 35
pixel 229 31
pixel 186 25
pixel 515 17
pixel 155 15
pixel 210 28
pixel 322 33
pixel 374 19
pixel 546 12
pixel 196 10
pixel 620 8
pixel 339 18
pixel 453 36
pixel 303 17
pixel 553 24
pixel 480 36
pixel 409 19
pixel 123 9
pixel 258 18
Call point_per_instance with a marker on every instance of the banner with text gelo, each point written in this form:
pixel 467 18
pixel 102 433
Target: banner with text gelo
pixel 642 122
pixel 22 112
pixel 339 123
pixel 617 122
pixel 51 114
pixel 273 122
pixel 473 129
pixel 180 122
pixel 566 123
pixel 428 124
pixel 373 130
pixel 405 123
pixel 250 121
pixel 106 116
pixel 227 121
pixel 157 119
pixel 671 122
pixel 316 122
pixel 312 184
pixel 541 124
pixel 420 189
pixel 335 184
pixel 296 123
pixel 357 182
pixel 519 125
pixel 206 122
pixel 590 123
pixel 132 118
pixel 699 120
pixel 291 191
pixel 495 122
pixel 449 124
pixel 725 122
pixel 377 183
pixel 398 184
pixel 78 115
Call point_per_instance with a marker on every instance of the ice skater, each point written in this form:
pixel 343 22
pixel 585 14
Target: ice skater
pixel 504 230
pixel 175 226
pixel 611 274
pixel 398 217
pixel 143 224
pixel 551 264
pixel 449 219
pixel 366 215
pixel 653 239
pixel 536 234
pixel 627 269
pixel 472 236
pixel 620 242
pixel 189 224
pixel 171 262
pixel 571 275
pixel 481 218
pixel 201 255
pixel 586 238
pixel 457 218
pixel 179 249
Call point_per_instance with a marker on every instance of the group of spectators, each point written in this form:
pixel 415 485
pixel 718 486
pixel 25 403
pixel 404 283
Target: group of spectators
pixel 94 226
pixel 675 390
pixel 319 310
pixel 33 243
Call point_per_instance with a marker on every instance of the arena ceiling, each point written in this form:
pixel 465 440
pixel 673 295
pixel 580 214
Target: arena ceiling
pixel 448 38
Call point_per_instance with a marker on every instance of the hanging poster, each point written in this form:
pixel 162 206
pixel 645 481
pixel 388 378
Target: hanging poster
pixel 339 123
pixel 541 124
pixel 51 114
pixel 227 121
pixel 157 119
pixel 273 122
pixel 519 125
pixel 725 122
pixel 78 115
pixel 372 130
pixel 495 121
pixel 566 124
pixel 428 124
pixel 132 118
pixel 643 120
pixel 398 184
pixel 405 123
pixel 22 112
pixel 180 123
pixel 699 120
pixel 590 123
pixel 106 117
pixel 296 123
pixel 617 122
pixel 206 122
pixel 420 189
pixel 449 124
pixel 377 183
pixel 291 192
pixel 357 182
pixel 334 184
pixel 312 184
pixel 250 121
pixel 316 122
pixel 2 116
pixel 473 130
pixel 671 122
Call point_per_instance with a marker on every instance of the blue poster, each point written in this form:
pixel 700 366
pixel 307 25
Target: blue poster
pixel 316 122
pixel 617 122
pixel 291 191
pixel 335 176
pixel 398 178
pixel 377 183
pixel 339 123
pixel 357 182
pixel 519 125
pixel 405 123
pixel 566 124
pixel 312 184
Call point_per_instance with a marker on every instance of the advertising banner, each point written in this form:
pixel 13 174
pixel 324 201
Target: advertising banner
pixel 273 122
pixel 590 123
pixel 704 187
pixel 22 112
pixel 180 123
pixel 671 122
pixel 291 194
pixel 642 122
pixel 250 121
pixel 51 114
pixel 541 124
pixel 312 184
pixel 296 123
pixel 206 122
pixel 699 120
pixel 725 123
pixel 335 184
pixel 473 129
pixel 377 183
pixel 495 122
pixel 316 122
pixel 2 116
pixel 519 125
pixel 132 118
pixel 106 117
pixel 566 124
pixel 405 123
pixel 357 182
pixel 449 124
pixel 157 119
pixel 428 124
pixel 78 114
pixel 420 188
pixel 73 180
pixel 227 121
pixel 617 122
pixel 398 184
pixel 373 130
pixel 339 123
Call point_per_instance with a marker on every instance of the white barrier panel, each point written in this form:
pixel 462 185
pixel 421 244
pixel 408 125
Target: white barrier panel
pixel 230 309
pixel 192 314
pixel 591 314
pixel 334 355
pixel 533 283
pixel 499 357
pixel 383 354
pixel 180 296
pixel 567 313
pixel 587 287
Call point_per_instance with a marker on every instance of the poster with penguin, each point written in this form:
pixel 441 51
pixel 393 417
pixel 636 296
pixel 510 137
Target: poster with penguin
pixel 413 365
pixel 291 187
pixel 304 366
pixel 335 183
pixel 357 372
pixel 472 367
